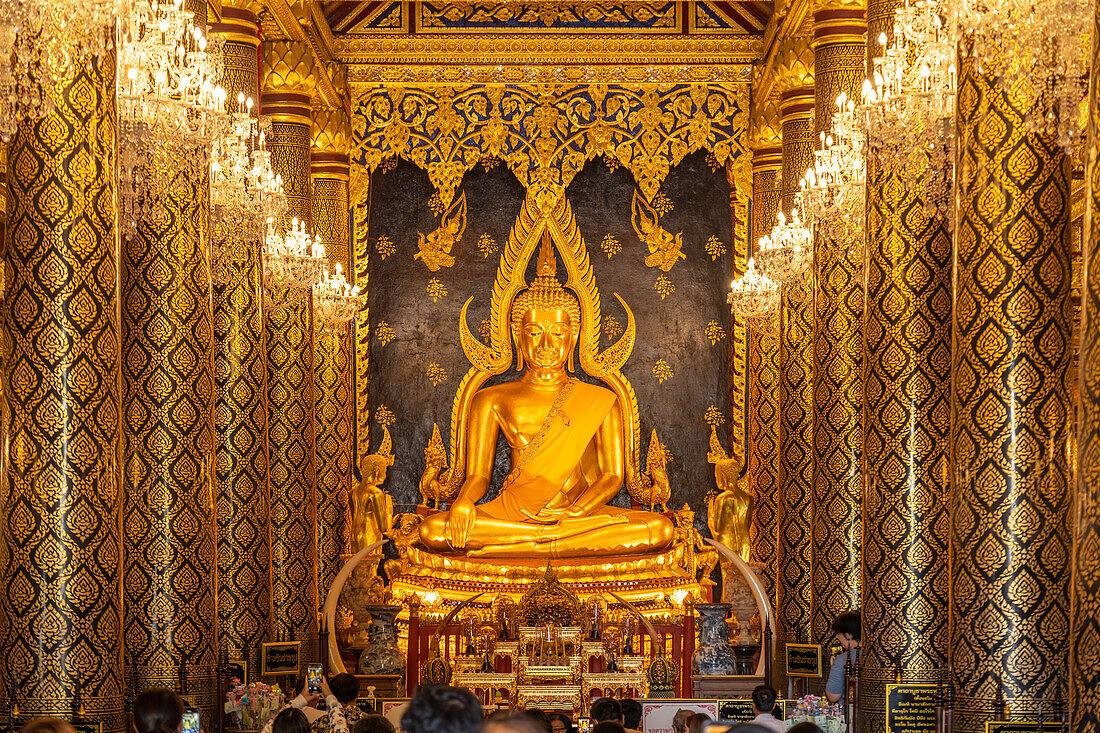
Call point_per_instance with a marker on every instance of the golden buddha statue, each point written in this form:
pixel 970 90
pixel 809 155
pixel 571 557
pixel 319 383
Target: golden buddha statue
pixel 728 510
pixel 371 507
pixel 567 450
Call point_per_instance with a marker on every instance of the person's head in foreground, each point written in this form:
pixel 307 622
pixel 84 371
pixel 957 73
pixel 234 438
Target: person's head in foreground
pixel 697 722
pixel 680 720
pixel 606 708
pixel 608 726
pixel 442 709
pixel 632 713
pixel 805 727
pixel 540 717
pixel 512 722
pixel 47 725
pixel 290 720
pixel 560 723
pixel 158 711
pixel 763 699
pixel 345 688
pixel 847 627
pixel 374 723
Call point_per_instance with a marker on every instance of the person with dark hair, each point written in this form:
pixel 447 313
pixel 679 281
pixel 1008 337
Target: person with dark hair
pixel 442 709
pixel 806 727
pixel 540 717
pixel 292 718
pixel 606 708
pixel 697 722
pixel 680 720
pixel 608 726
pixel 763 705
pixel 632 714
pixel 749 728
pixel 289 720
pixel 47 725
pixel 158 710
pixel 345 688
pixel 560 723
pixel 512 722
pixel 847 628
pixel 306 701
pixel 373 723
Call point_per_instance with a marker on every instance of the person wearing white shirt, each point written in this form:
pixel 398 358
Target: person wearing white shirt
pixel 763 704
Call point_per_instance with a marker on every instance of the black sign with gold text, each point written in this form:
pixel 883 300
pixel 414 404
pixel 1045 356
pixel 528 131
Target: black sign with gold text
pixel 803 660
pixel 911 708
pixel 741 709
pixel 280 657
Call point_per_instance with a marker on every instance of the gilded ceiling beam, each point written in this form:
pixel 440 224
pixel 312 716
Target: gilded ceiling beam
pixel 784 24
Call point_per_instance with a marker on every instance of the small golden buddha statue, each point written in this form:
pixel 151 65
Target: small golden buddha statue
pixel 371 507
pixel 567 451
pixel 728 511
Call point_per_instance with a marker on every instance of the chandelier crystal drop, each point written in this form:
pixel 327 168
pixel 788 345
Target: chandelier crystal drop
pixel 908 108
pixel 40 40
pixel 335 300
pixel 293 261
pixel 245 193
pixel 834 188
pixel 753 295
pixel 784 255
pixel 1039 48
pixel 171 105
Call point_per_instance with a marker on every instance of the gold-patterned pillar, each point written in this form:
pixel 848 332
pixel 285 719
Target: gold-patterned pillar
pixel 332 348
pixel 907 328
pixel 359 196
pixel 167 429
pixel 61 538
pixel 1084 665
pixel 292 477
pixel 796 365
pixel 763 378
pixel 240 418
pixel 839 51
pixel 739 178
pixel 1012 325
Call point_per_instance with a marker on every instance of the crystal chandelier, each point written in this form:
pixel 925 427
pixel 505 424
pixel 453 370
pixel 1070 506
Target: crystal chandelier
pixel 335 300
pixel 40 40
pixel 784 255
pixel 834 188
pixel 908 108
pixel 1041 48
pixel 293 263
pixel 171 107
pixel 245 193
pixel 753 294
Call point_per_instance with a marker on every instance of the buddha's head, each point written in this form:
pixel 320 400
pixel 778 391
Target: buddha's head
pixel 546 318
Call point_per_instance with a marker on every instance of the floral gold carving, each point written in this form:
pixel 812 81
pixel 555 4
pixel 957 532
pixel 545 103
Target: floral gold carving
pixel 715 332
pixel 611 245
pixel 662 370
pixel 436 374
pixel 384 416
pixel 664 286
pixel 436 290
pixel 713 416
pixel 715 248
pixel 385 332
pixel 546 132
pixel 486 245
pixel 384 247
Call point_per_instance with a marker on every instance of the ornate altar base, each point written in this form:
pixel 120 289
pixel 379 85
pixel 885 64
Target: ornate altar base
pixel 653 583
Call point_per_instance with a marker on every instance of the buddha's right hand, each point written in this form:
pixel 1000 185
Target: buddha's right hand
pixel 460 520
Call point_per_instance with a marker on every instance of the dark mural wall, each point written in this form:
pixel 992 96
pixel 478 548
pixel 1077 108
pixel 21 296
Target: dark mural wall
pixel 415 374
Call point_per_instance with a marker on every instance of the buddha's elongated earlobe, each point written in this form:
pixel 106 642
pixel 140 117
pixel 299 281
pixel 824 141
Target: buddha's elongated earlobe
pixel 519 352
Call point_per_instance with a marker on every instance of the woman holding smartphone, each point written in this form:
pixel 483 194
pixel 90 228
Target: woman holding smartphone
pixel 162 711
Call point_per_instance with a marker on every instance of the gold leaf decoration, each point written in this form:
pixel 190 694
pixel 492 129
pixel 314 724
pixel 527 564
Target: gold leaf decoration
pixel 389 163
pixel 436 290
pixel 715 248
pixel 611 245
pixel 485 330
pixel 662 204
pixel 436 204
pixel 612 329
pixel 384 416
pixel 611 162
pixel 715 332
pixel 487 245
pixel 385 332
pixel 713 163
pixel 436 374
pixel 384 247
pixel 489 162
pixel 662 370
pixel 664 286
pixel 714 416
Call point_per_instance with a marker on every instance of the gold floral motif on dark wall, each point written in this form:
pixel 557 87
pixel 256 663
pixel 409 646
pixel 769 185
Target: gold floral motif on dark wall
pixel 546 132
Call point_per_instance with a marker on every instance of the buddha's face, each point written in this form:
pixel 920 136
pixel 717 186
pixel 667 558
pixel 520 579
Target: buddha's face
pixel 546 338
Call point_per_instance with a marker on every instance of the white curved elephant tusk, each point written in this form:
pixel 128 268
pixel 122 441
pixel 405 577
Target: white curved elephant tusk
pixel 332 600
pixel 765 608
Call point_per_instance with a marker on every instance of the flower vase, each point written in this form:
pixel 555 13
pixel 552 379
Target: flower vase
pixel 382 655
pixel 714 655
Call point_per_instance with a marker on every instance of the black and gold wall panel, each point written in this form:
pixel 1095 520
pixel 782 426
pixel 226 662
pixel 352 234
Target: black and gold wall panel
pixel 292 474
pixel 62 543
pixel 167 425
pixel 1011 396
pixel 411 331
pixel 908 331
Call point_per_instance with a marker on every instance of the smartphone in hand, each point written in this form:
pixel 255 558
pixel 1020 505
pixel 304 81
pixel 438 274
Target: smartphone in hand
pixel 313 678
